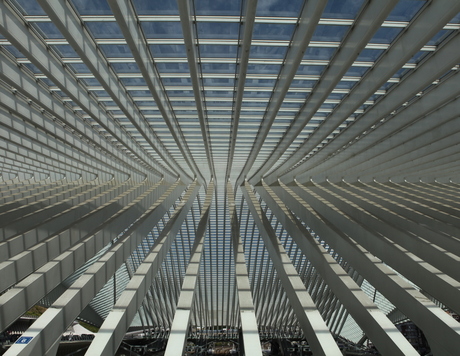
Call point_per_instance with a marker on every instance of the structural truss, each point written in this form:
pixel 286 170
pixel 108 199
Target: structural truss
pixel 262 168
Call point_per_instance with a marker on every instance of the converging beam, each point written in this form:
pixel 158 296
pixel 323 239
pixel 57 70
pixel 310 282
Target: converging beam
pixel 384 335
pixel 251 339
pixel 180 325
pixel 112 331
pixel 315 329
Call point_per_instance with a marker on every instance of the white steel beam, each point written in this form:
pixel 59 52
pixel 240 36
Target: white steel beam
pixel 306 26
pixel 69 305
pixel 19 34
pixel 127 19
pixel 421 30
pixel 432 280
pixel 440 328
pixel 369 154
pixel 314 328
pixel 32 90
pixel 66 20
pixel 420 226
pixel 446 261
pixel 247 26
pixel 384 335
pixel 368 21
pixel 249 328
pixel 180 325
pixel 112 331
pixel 188 31
pixel 31 289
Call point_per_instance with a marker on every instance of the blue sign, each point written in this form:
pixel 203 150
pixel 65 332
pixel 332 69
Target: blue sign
pixel 24 340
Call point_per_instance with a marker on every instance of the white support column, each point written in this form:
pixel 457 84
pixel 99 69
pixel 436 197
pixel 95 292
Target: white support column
pixel 438 284
pixel 69 305
pixel 398 202
pixel 434 322
pixel 180 325
pixel 446 261
pixel 384 335
pixel 251 338
pixel 315 329
pixel 25 294
pixel 25 253
pixel 112 331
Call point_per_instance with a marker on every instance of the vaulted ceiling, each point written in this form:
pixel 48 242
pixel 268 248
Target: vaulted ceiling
pixel 313 142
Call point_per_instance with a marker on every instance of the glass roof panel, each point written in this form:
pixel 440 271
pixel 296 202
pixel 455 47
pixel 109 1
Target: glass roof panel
pixel 296 95
pixel 48 30
pixel 405 10
pixel 65 51
pixel 329 33
pixel 133 81
pixel 385 35
pixel 112 50
pixel 342 9
pixel 418 57
pixel 319 53
pixel 125 67
pixel 303 83
pixel 168 50
pixel 439 37
pixel 219 82
pixel 177 81
pixel 264 68
pixel 156 7
pixel 30 7
pixel 213 51
pixel 217 7
pixel 221 30
pixel 104 29
pixel 369 55
pixel 272 31
pixel 345 84
pixel 175 93
pixel 456 19
pixel 90 82
pixel 310 70
pixel 279 8
pixel 218 67
pixel 14 51
pixel 32 68
pixel 356 71
pixel 260 82
pixel 162 29
pixel 92 7
pixel 136 93
pixel 79 68
pixel 269 52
